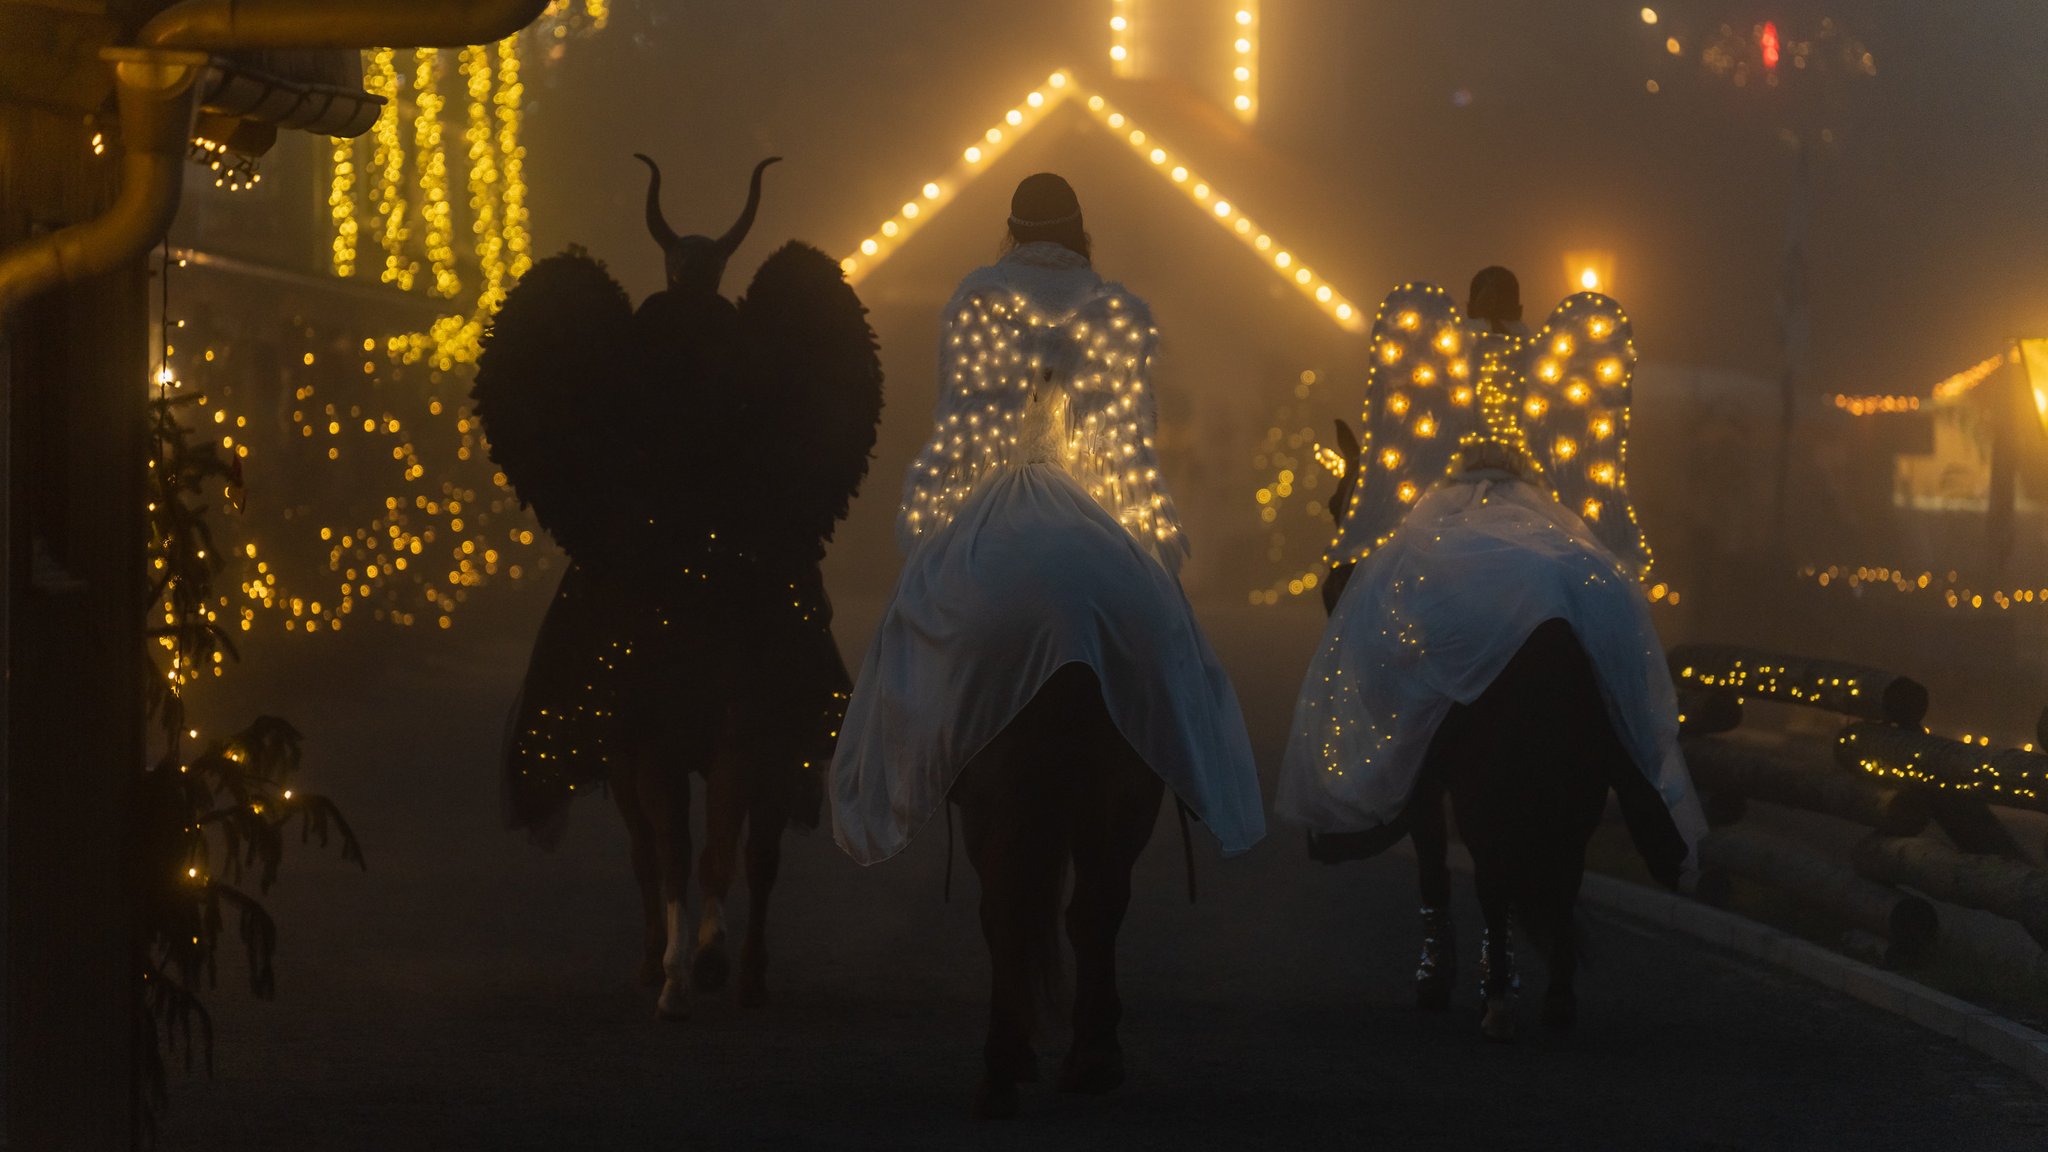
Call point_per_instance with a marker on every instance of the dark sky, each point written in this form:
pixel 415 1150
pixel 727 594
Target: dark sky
pixel 1929 241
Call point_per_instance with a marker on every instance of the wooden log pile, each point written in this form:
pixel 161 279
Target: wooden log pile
pixel 1928 801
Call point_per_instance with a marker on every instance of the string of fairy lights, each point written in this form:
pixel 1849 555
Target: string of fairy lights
pixel 420 519
pixel 1946 390
pixel 1879 748
pixel 1121 63
pixel 1244 61
pixel 1015 123
pixel 1949 589
pixel 976 158
pixel 418 182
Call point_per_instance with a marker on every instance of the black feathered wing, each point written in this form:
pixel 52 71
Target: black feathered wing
pixel 556 367
pixel 814 383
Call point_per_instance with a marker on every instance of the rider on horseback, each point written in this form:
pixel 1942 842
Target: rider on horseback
pixel 1493 639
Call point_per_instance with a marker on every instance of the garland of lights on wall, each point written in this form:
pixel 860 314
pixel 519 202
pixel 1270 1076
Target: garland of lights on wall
pixel 441 522
pixel 406 548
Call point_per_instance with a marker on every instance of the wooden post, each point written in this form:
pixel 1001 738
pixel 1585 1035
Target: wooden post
pixel 77 382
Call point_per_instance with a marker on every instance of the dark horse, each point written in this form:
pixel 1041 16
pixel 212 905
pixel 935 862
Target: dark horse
pixel 1527 767
pixel 748 702
pixel 1058 785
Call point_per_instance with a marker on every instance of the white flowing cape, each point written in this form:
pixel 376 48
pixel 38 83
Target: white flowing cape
pixel 1432 616
pixel 1037 535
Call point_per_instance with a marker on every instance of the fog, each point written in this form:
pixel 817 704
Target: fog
pixel 1392 142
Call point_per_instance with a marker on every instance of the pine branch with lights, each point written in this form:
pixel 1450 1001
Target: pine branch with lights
pixel 206 825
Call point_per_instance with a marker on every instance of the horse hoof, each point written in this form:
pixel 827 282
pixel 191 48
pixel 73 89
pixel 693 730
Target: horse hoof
pixel 750 990
pixel 993 1100
pixel 1560 1013
pixel 1094 1074
pixel 674 1001
pixel 1498 1025
pixel 710 968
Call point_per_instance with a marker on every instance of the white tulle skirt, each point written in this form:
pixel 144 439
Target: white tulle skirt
pixel 1033 575
pixel 1432 616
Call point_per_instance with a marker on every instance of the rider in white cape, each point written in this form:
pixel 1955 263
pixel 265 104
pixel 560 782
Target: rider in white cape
pixel 1490 495
pixel 1037 534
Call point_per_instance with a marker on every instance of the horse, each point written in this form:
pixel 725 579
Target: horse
pixel 1527 767
pixel 641 688
pixel 1059 786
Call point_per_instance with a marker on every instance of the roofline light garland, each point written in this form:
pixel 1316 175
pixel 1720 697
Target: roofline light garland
pixel 1019 121
pixel 1956 386
pixel 1229 218
pixel 1951 389
pixel 1120 63
pixel 1226 215
pixel 975 159
pixel 1244 61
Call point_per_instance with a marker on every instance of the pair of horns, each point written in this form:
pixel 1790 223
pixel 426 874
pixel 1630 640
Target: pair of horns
pixel 726 244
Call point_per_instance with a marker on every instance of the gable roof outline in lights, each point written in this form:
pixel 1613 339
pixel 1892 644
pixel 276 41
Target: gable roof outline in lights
pixel 979 156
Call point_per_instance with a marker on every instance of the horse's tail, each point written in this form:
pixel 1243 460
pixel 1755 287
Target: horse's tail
pixel 1549 717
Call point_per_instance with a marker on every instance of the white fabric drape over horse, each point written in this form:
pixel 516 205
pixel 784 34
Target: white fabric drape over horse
pixel 1431 617
pixel 1037 534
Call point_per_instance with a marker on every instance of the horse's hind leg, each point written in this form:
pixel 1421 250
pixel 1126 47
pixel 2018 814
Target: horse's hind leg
pixel 1496 958
pixel 725 810
pixel 1492 879
pixel 1018 851
pixel 1114 812
pixel 665 797
pixel 765 820
pixel 625 792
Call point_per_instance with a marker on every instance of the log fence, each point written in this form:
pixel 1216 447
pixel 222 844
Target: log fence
pixel 1928 804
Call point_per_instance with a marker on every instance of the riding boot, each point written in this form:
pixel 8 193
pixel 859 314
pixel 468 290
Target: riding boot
pixel 1499 984
pixel 1437 970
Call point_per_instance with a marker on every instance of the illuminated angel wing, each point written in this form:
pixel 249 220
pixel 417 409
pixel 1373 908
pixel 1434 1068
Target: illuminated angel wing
pixel 554 364
pixel 1105 349
pixel 1422 398
pixel 1574 405
pixel 813 374
pixel 985 384
pixel 1017 386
